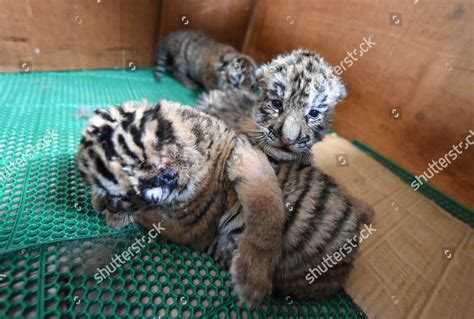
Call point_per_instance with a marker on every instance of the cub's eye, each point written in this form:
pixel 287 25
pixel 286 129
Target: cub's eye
pixel 313 113
pixel 277 105
pixel 145 166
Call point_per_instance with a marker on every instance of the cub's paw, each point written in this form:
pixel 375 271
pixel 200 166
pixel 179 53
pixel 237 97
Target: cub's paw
pixel 117 220
pixel 252 278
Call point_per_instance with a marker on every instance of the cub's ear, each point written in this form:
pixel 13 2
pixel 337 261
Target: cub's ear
pixel 343 92
pixel 260 72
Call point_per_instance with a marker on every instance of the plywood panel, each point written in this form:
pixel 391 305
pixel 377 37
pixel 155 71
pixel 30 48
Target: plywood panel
pixel 87 34
pixel 225 20
pixel 421 66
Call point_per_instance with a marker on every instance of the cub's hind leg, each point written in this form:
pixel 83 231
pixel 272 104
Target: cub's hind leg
pixel 182 77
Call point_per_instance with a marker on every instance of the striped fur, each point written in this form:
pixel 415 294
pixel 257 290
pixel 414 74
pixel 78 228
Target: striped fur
pixel 176 166
pixel 320 217
pixel 197 59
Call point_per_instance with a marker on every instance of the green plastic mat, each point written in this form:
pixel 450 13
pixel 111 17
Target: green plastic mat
pixel 447 203
pixel 52 241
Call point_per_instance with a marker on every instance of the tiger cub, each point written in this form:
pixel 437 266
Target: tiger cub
pixel 182 168
pixel 298 92
pixel 197 59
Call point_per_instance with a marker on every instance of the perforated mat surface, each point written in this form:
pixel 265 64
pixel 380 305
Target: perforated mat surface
pixel 51 240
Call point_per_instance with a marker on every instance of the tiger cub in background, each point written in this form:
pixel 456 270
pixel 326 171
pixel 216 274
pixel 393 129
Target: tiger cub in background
pixel 298 92
pixel 182 168
pixel 197 59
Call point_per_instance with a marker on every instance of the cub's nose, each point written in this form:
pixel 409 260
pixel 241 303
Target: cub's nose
pixel 287 141
pixel 169 179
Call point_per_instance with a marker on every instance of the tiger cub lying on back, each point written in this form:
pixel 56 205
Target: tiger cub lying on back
pixel 197 59
pixel 298 92
pixel 176 166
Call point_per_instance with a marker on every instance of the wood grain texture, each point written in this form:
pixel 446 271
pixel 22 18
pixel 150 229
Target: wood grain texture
pixel 422 67
pixel 225 20
pixel 71 35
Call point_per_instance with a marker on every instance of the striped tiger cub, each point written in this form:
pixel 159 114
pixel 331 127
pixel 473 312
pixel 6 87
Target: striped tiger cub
pixel 197 59
pixel 183 169
pixel 298 92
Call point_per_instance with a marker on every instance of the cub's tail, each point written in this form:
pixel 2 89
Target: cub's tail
pixel 161 58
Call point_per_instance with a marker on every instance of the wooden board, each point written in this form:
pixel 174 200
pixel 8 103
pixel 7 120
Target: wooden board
pixel 88 34
pixel 420 68
pixel 226 20
pixel 71 35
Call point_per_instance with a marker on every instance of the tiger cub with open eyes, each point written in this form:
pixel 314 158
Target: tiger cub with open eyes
pixel 298 92
pixel 197 59
pixel 182 168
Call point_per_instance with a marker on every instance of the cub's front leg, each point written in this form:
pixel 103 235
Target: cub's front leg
pixel 261 198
